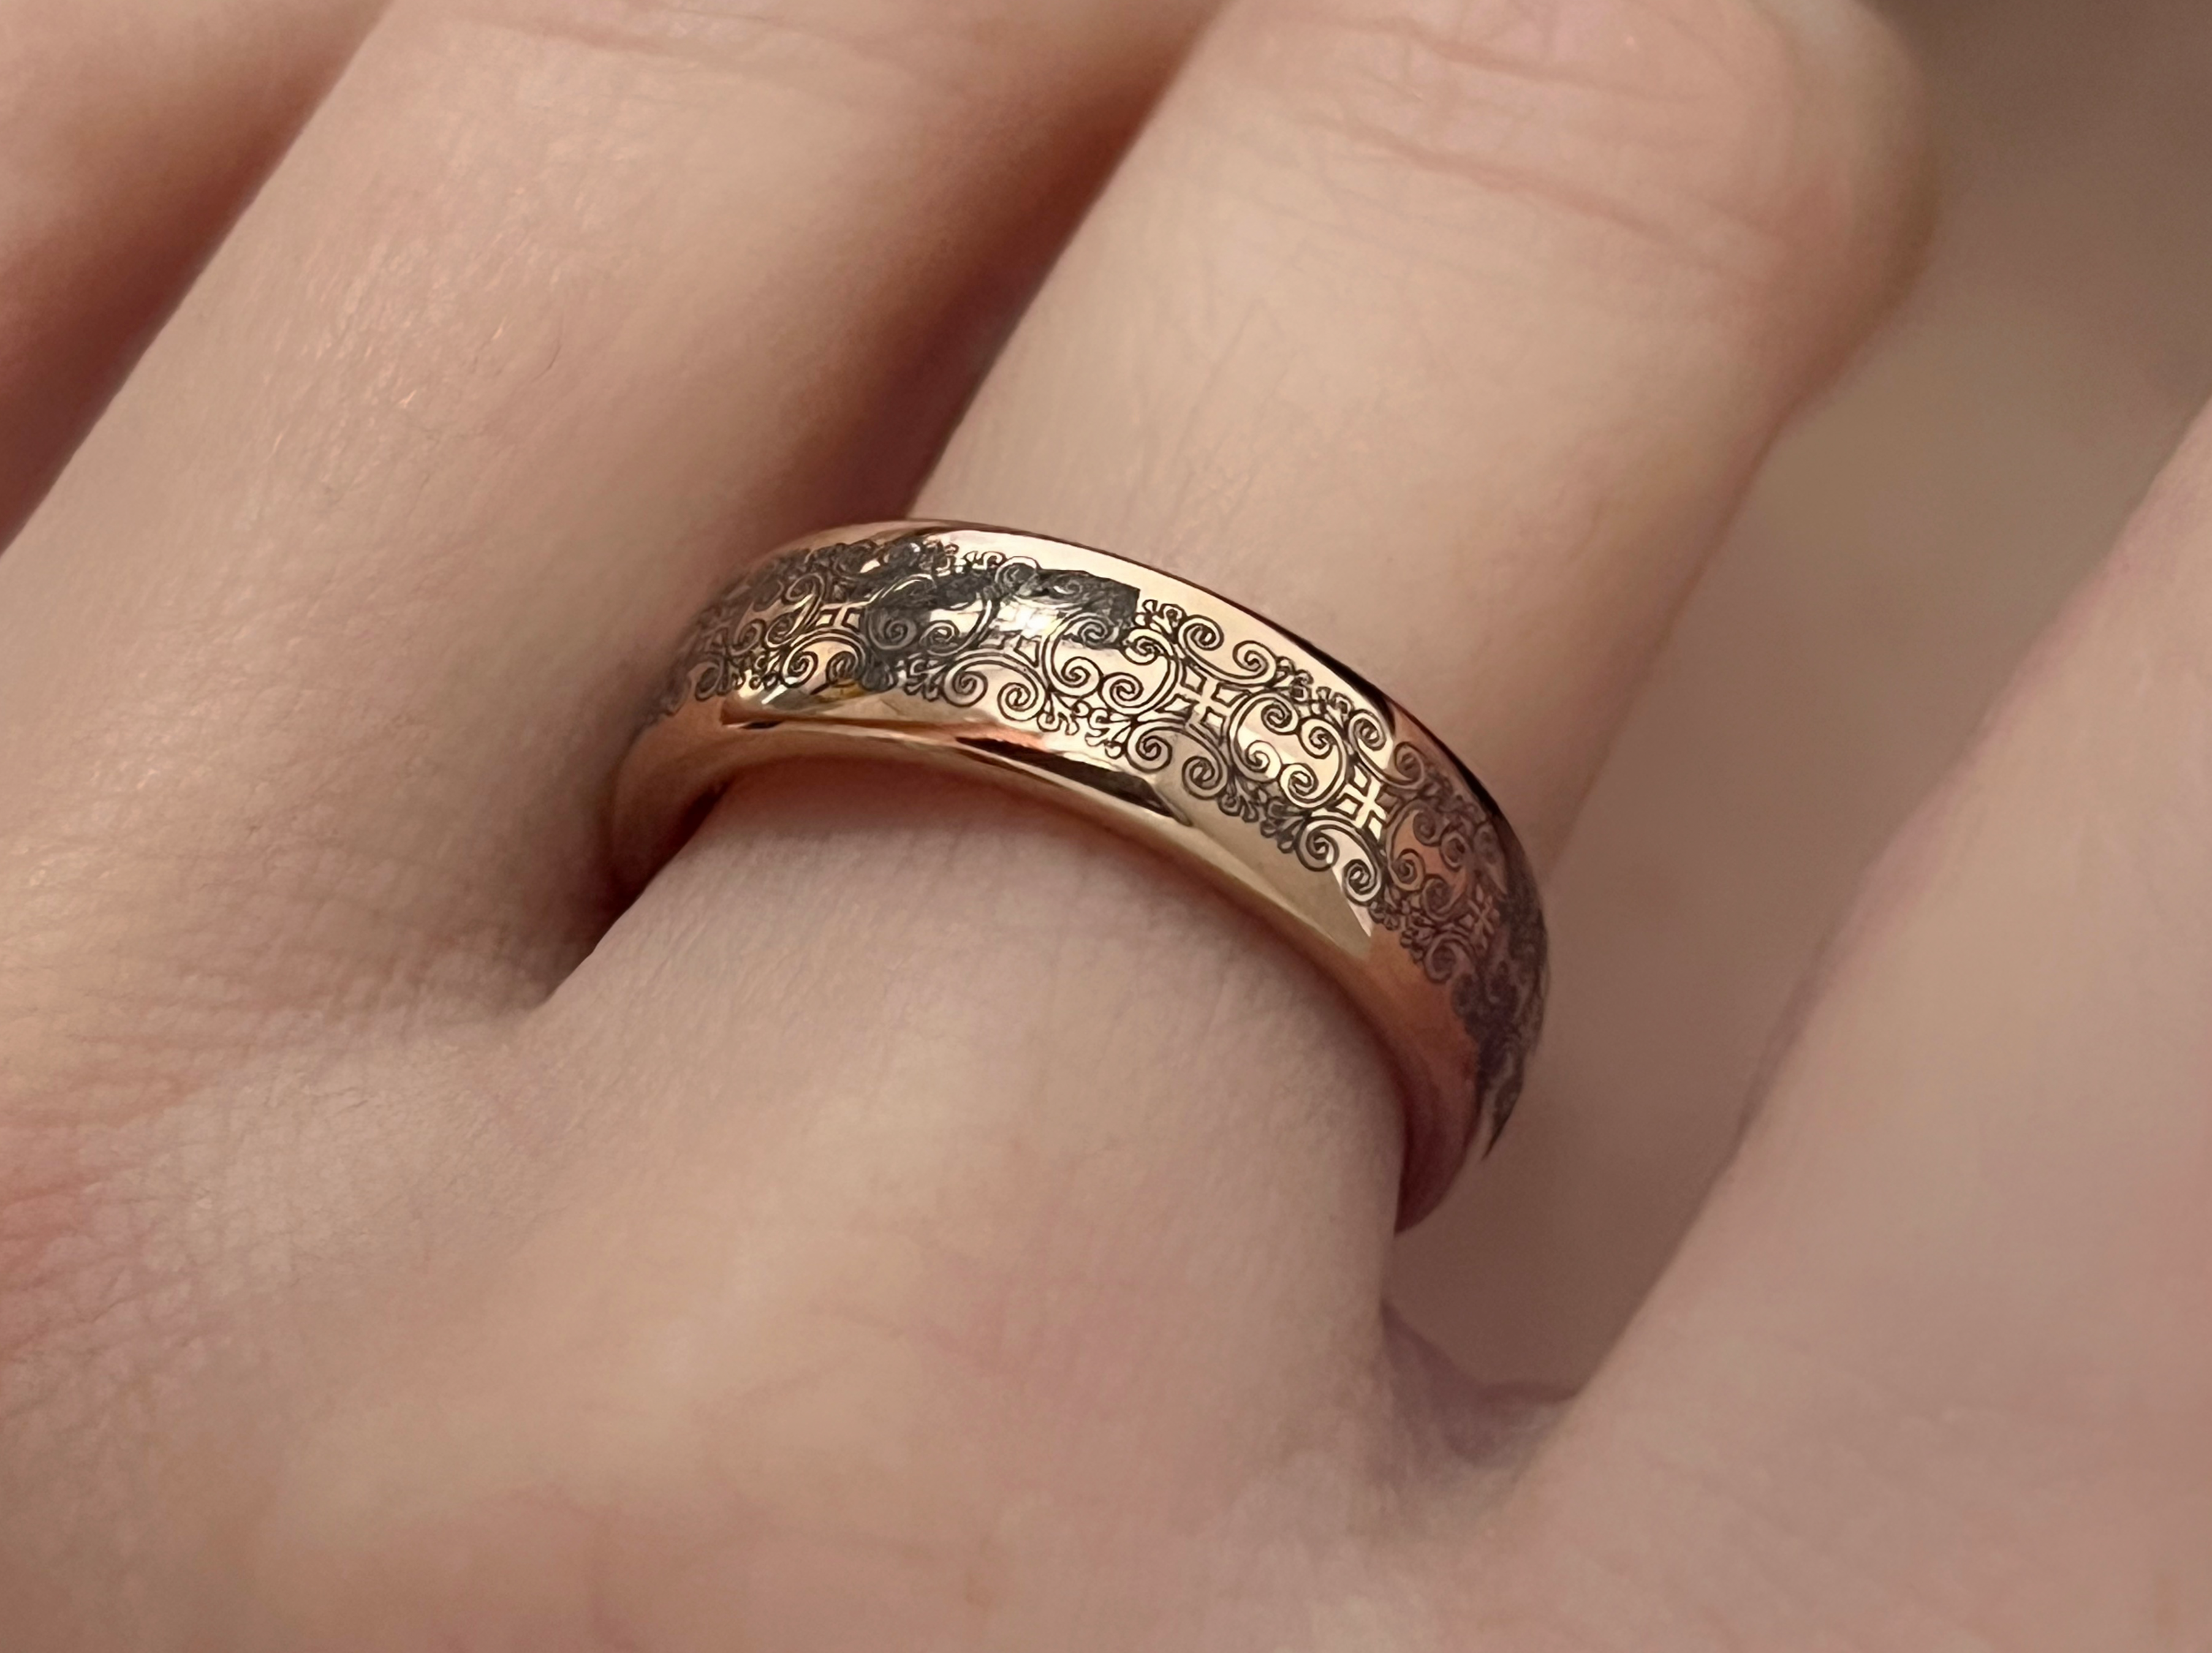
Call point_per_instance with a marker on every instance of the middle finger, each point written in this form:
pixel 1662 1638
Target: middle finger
pixel 377 549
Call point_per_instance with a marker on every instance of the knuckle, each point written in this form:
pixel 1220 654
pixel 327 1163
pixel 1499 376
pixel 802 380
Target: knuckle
pixel 1744 137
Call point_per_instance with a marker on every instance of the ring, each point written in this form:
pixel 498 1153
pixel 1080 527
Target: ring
pixel 1166 713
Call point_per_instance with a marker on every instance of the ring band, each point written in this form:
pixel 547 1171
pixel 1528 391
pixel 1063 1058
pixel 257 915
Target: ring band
pixel 1166 713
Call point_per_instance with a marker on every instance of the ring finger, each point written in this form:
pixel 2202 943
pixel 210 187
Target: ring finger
pixel 1444 334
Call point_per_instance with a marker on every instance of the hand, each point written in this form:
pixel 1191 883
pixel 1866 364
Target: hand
pixel 918 1221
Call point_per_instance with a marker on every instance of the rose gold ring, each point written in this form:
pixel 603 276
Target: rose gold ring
pixel 1165 713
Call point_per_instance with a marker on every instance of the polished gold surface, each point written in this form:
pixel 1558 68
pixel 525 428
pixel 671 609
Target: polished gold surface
pixel 1164 711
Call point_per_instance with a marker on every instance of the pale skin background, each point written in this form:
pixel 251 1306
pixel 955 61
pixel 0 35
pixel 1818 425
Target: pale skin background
pixel 918 1222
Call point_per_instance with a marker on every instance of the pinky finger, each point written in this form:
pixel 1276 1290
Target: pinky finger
pixel 129 134
pixel 1936 1368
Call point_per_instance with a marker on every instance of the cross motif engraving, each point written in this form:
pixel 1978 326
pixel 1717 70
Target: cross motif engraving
pixel 845 616
pixel 1366 797
pixel 1013 623
pixel 1205 703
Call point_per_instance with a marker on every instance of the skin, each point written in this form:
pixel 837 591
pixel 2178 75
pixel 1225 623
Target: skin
pixel 918 1221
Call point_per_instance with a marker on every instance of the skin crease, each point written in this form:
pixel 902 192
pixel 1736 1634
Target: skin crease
pixel 917 1221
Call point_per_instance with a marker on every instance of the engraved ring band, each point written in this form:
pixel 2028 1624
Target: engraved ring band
pixel 1165 713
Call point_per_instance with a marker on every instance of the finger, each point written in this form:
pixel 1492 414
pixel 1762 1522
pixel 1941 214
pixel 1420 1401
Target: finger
pixel 1934 1368
pixel 129 135
pixel 1450 334
pixel 554 301
pixel 1359 334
